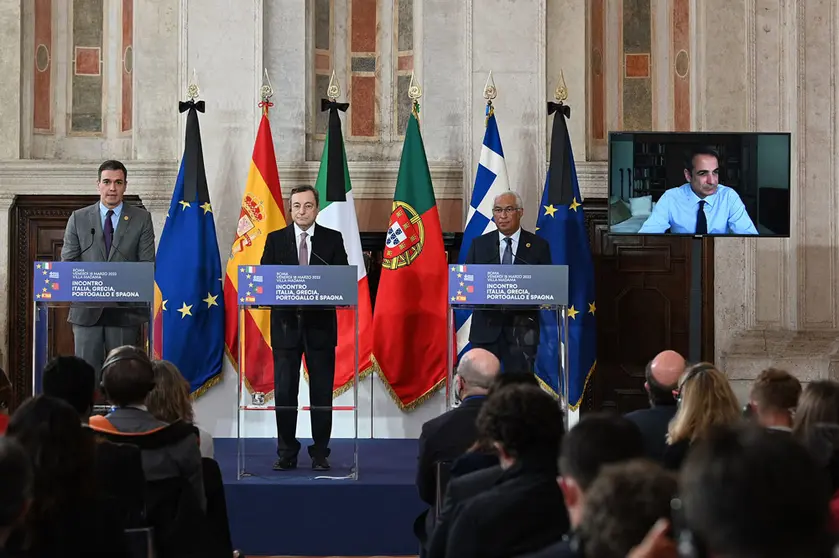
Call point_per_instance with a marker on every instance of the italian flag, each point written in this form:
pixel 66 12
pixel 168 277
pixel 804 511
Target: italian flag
pixel 409 325
pixel 337 211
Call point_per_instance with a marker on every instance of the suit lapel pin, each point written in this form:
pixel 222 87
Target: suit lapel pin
pixel 527 245
pixel 125 218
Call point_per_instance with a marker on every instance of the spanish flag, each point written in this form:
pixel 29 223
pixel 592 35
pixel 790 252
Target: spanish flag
pixel 262 212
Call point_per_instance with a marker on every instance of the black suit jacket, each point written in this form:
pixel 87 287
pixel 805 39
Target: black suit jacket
pixel 445 438
pixel 523 513
pixel 289 324
pixel 119 472
pixel 653 423
pixel 459 491
pixel 561 549
pixel 488 325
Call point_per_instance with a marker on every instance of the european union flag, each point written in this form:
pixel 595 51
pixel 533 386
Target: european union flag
pixel 490 181
pixel 562 223
pixel 188 272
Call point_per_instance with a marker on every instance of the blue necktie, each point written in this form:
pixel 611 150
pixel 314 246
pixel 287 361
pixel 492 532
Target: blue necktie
pixel 109 232
pixel 701 220
pixel 508 252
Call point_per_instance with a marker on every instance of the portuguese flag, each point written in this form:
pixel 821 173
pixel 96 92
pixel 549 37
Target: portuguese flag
pixel 262 212
pixel 409 324
pixel 337 211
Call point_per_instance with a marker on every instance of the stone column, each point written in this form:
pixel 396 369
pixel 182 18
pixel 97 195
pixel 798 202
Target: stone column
pixel 158 49
pixel 287 59
pixel 509 39
pixel 568 53
pixel 10 84
pixel 776 301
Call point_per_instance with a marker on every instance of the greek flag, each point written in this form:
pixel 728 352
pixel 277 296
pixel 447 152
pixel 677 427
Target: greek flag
pixel 490 180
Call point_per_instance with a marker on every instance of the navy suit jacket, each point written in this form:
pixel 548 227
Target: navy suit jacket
pixel 519 326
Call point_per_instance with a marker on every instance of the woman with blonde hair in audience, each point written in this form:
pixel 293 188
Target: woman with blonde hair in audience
pixel 169 401
pixel 705 400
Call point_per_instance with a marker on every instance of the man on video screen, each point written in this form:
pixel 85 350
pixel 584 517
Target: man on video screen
pixel 703 205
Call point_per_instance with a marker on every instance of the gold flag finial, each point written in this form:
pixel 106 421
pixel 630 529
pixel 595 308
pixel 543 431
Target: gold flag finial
pixel 414 90
pixel 333 91
pixel 192 91
pixel 561 91
pixel 490 91
pixel 414 93
pixel 266 91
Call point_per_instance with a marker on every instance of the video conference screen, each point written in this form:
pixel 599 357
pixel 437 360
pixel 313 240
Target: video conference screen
pixel 699 184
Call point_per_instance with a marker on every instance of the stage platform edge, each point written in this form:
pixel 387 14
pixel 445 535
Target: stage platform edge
pixel 291 513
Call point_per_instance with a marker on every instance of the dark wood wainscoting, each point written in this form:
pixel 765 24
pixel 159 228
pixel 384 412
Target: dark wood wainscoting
pixel 643 302
pixel 37 233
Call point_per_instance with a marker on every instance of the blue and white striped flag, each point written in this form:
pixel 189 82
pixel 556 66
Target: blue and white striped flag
pixel 490 181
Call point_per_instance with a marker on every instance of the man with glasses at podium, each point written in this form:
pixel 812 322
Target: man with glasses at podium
pixel 296 332
pixel 511 335
pixel 107 231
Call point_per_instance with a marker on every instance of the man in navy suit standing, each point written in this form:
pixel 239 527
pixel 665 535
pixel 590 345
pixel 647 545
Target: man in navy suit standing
pixel 511 335
pixel 296 332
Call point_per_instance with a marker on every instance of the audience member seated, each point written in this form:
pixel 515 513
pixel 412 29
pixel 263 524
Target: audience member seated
pixel 662 379
pixel 623 503
pixel 119 467
pixel 705 399
pixel 67 517
pixel 747 492
pixel 15 489
pixel 594 442
pixel 816 425
pixel 524 511
pixel 478 470
pixel 169 401
pixel 773 399
pixel 127 378
pixel 482 454
pixel 448 436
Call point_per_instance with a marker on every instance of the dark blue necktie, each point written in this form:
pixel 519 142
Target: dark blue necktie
pixel 701 220
pixel 109 232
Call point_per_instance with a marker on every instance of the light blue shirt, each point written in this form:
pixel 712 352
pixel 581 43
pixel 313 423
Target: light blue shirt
pixel 103 211
pixel 677 209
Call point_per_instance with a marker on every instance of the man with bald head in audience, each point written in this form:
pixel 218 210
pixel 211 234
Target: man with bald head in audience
pixel 663 373
pixel 448 436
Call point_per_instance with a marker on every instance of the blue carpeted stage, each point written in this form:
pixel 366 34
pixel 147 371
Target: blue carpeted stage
pixel 294 513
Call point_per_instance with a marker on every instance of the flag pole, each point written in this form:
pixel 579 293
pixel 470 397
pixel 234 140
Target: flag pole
pixel 561 95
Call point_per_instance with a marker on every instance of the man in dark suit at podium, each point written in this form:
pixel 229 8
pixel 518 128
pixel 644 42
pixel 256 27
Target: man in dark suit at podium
pixel 295 332
pixel 511 335
pixel 107 231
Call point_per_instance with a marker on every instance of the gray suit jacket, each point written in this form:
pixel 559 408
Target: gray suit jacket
pixel 84 241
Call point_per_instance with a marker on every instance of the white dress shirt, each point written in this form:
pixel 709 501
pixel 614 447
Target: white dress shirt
pixel 298 232
pixel 502 245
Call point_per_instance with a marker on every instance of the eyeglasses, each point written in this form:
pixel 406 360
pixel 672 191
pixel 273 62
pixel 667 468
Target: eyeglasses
pixel 307 206
pixel 504 210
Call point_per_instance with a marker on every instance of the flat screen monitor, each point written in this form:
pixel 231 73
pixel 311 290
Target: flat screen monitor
pixel 699 184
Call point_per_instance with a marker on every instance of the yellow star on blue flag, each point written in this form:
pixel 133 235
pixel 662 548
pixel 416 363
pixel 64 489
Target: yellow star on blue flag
pixel 564 227
pixel 188 268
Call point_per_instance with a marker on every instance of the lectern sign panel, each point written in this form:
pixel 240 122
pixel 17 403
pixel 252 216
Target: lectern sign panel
pixel 295 285
pixel 506 285
pixel 93 282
